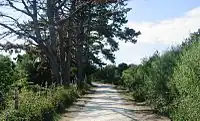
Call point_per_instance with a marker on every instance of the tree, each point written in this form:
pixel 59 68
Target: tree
pixel 66 32
pixel 40 27
pixel 34 70
pixel 121 68
pixel 6 73
pixel 103 24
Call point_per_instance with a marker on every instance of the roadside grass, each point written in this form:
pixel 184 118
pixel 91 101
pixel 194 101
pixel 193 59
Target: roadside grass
pixel 45 105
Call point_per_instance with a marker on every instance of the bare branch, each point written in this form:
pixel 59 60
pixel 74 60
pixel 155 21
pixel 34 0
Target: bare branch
pixel 35 20
pixel 26 7
pixel 42 18
pixel 17 32
pixel 5 34
pixel 17 9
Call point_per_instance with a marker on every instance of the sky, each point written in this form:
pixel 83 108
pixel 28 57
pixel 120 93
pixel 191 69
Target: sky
pixel 163 23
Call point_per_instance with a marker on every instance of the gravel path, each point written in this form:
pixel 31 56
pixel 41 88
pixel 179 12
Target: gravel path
pixel 104 103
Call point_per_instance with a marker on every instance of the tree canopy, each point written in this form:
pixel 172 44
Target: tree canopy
pixel 66 33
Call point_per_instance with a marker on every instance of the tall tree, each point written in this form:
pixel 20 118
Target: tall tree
pixel 67 31
pixel 98 34
pixel 40 26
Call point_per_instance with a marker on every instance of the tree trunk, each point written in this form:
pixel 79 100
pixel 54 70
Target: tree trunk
pixel 62 55
pixel 54 66
pixel 79 64
pixel 55 70
pixel 79 54
pixel 68 52
pixel 68 62
pixel 52 41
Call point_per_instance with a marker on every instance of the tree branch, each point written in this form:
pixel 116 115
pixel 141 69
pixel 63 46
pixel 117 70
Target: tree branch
pixel 61 4
pixel 73 13
pixel 26 7
pixel 17 32
pixel 17 9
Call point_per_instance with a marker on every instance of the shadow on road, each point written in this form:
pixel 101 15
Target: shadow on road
pixel 104 103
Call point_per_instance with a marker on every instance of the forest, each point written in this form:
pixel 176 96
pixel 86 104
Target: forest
pixel 59 46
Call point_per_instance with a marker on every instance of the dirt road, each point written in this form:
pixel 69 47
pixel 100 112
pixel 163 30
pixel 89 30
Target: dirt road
pixel 105 103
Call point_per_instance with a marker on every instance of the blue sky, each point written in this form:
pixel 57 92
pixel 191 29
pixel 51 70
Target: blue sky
pixel 163 23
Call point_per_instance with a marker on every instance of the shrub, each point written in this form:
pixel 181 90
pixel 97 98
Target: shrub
pixel 6 78
pixel 106 74
pixel 36 71
pixel 40 105
pixel 132 79
pixel 169 82
pixel 6 73
pixel 187 82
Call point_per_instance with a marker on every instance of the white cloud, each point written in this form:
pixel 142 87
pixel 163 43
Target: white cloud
pixel 170 31
pixel 158 35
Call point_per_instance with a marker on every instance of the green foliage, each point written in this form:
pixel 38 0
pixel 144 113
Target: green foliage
pixel 106 74
pixel 6 72
pixel 121 67
pixel 169 82
pixel 109 73
pixel 150 80
pixel 187 82
pixel 7 78
pixel 134 83
pixel 35 70
pixel 36 103
pixel 41 105
pixel 105 26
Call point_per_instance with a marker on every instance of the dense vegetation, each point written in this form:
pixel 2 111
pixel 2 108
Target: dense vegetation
pixel 65 33
pixel 169 82
pixel 62 41
pixel 24 98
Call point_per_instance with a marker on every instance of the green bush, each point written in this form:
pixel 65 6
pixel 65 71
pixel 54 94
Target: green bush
pixel 149 81
pixel 41 105
pixel 132 79
pixel 6 78
pixel 187 82
pixel 37 72
pixel 109 74
pixel 106 74
pixel 170 82
pixel 6 73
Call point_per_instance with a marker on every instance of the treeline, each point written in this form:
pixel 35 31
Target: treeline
pixel 169 82
pixel 62 41
pixel 66 33
pixel 109 73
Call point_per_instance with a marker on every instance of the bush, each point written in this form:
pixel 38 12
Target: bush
pixel 37 72
pixel 132 79
pixel 6 78
pixel 187 82
pixel 6 73
pixel 170 82
pixel 106 74
pixel 109 74
pixel 40 105
pixel 149 81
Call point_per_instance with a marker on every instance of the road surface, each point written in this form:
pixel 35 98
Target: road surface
pixel 104 103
